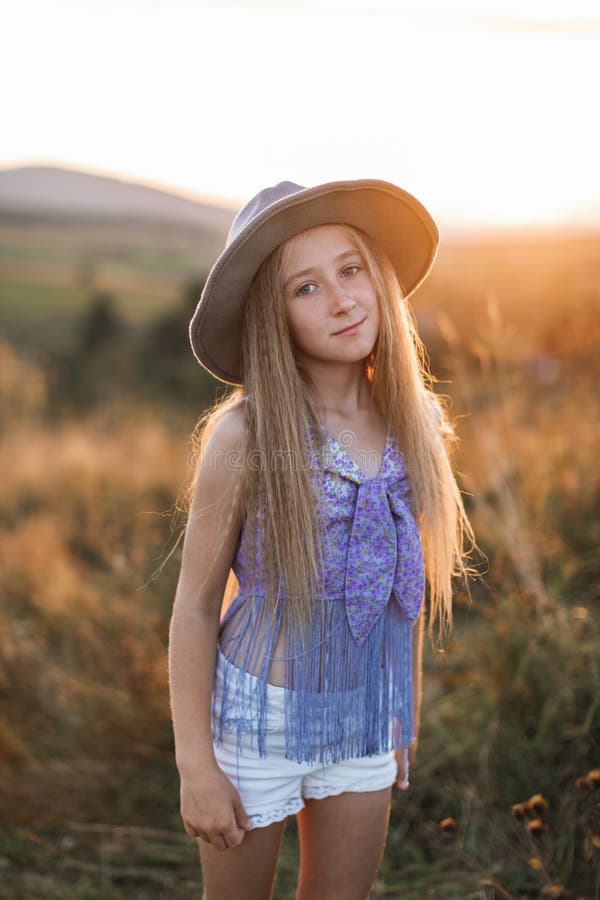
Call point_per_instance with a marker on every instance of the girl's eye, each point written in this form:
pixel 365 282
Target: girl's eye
pixel 301 290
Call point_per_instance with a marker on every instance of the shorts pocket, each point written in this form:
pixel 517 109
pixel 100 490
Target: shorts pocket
pixel 245 718
pixel 242 712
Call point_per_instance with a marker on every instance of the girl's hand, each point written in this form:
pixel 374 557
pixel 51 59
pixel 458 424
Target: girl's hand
pixel 211 808
pixel 405 759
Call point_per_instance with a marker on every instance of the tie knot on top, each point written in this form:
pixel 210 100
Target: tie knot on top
pixel 384 552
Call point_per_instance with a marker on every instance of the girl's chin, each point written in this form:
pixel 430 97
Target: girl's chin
pixel 340 352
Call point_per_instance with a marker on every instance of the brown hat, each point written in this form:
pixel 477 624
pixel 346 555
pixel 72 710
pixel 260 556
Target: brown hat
pixel 392 217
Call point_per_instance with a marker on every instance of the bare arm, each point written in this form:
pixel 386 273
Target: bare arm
pixel 210 804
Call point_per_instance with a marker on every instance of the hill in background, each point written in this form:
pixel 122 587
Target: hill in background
pixel 66 235
pixel 43 191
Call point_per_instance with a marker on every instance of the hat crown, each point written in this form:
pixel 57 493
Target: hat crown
pixel 257 205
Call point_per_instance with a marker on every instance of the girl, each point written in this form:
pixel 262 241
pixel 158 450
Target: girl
pixel 324 483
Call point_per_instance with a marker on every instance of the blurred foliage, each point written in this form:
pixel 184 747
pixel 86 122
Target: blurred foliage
pixel 95 452
pixel 101 323
pixel 111 361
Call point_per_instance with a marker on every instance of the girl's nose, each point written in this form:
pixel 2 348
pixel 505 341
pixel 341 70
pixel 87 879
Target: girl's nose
pixel 342 301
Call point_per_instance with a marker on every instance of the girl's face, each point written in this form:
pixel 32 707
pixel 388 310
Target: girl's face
pixel 326 289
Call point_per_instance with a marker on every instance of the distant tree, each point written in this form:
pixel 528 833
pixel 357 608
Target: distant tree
pixel 101 323
pixel 168 334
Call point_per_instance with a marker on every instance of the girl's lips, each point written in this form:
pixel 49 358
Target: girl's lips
pixel 352 329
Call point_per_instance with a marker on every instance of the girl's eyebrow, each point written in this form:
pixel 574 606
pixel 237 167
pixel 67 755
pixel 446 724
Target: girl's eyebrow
pixel 311 268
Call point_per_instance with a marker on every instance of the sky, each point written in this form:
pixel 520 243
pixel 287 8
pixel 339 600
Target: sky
pixel 485 110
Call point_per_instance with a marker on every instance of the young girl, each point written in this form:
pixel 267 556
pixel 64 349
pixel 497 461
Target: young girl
pixel 324 483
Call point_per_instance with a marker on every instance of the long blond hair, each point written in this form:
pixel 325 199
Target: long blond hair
pixel 282 414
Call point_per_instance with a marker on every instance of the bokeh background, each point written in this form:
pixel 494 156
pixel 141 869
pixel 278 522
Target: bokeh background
pixel 132 132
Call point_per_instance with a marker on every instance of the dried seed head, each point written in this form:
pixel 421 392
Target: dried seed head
pixel 583 783
pixel 448 825
pixel 594 777
pixel 535 827
pixel 591 846
pixel 538 804
pixel 518 810
pixel 556 891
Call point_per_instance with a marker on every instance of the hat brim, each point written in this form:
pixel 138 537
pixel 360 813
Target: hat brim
pixel 395 219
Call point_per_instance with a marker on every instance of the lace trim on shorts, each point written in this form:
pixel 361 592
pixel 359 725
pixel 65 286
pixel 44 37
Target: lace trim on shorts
pixel 260 820
pixel 276 815
pixel 328 791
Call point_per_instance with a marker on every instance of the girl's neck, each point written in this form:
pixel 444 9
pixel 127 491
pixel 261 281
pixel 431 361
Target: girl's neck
pixel 342 394
pixel 338 399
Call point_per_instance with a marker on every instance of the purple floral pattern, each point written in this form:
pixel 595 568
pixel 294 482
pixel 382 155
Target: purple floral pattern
pixel 373 541
pixel 348 687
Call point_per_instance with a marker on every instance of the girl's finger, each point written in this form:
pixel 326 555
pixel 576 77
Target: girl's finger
pixel 403 768
pixel 190 830
pixel 223 845
pixel 215 840
pixel 242 818
pixel 402 760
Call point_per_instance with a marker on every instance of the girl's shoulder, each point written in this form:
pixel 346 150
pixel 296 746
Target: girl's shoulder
pixel 229 429
pixel 222 451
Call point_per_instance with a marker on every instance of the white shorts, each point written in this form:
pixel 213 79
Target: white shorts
pixel 274 787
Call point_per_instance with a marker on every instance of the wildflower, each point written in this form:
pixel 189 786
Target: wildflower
pixel 535 827
pixel 556 891
pixel 594 777
pixel 538 804
pixel 518 810
pixel 535 862
pixel 448 825
pixel 591 844
pixel 583 782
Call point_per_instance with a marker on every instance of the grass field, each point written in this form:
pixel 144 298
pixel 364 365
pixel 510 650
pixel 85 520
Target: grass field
pixel 90 550
pixel 48 270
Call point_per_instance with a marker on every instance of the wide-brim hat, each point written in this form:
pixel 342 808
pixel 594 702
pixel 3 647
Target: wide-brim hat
pixel 395 219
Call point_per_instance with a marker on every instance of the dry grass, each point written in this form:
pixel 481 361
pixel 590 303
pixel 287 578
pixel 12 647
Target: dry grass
pixel 88 783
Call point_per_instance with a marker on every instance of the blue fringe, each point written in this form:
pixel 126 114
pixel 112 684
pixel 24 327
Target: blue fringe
pixel 341 700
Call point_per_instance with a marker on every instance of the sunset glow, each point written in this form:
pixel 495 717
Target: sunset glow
pixel 483 110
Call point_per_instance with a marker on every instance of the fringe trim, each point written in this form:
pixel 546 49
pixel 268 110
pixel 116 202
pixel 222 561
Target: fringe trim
pixel 341 700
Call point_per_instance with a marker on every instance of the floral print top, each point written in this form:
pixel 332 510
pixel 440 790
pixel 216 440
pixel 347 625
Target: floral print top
pixel 350 692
